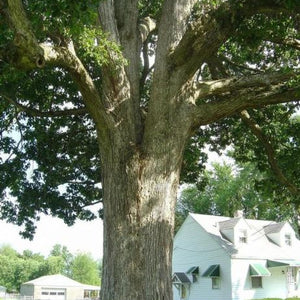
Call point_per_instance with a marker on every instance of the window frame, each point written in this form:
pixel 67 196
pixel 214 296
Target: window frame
pixel 243 236
pixel 215 283
pixel 288 239
pixel 260 282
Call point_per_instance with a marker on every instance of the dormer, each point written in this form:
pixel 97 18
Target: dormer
pixel 282 234
pixel 235 230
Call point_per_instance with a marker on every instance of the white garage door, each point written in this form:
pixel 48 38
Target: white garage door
pixel 53 294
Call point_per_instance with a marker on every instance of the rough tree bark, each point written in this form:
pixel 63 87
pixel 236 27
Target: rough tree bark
pixel 141 156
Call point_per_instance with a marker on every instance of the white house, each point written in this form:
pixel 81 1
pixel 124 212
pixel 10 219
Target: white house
pixel 221 258
pixel 58 287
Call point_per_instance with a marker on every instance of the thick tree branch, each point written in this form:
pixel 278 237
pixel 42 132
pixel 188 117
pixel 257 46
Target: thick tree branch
pixel 198 90
pixel 292 42
pixel 257 131
pixel 28 53
pixel 146 26
pixel 45 114
pixel 31 54
pixel 210 30
pixel 207 113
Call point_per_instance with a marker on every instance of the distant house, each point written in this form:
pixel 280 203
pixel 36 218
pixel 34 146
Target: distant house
pixel 221 258
pixel 58 287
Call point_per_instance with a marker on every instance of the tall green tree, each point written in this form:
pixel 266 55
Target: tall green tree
pixel 230 188
pixel 78 89
pixel 66 256
pixel 17 269
pixel 85 269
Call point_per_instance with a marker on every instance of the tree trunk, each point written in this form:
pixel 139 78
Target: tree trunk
pixel 138 230
pixel 139 195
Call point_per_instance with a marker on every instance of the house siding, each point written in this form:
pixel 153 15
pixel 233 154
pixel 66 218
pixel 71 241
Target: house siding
pixel 194 247
pixel 27 290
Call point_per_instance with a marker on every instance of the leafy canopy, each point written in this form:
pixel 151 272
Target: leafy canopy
pixel 50 161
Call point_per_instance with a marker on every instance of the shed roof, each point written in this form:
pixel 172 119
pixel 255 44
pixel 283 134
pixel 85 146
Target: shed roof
pixel 59 280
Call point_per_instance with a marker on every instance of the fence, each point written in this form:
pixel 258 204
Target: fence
pixel 15 297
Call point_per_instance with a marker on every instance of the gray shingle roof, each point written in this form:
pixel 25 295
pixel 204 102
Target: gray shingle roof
pixel 273 228
pixel 229 224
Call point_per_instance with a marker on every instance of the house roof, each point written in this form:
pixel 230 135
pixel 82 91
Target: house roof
pixel 228 224
pixel 274 228
pixel 59 280
pixel 259 246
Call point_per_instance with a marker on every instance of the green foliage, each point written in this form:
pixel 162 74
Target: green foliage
pixel 52 165
pixel 16 268
pixel 63 17
pixel 65 187
pixel 63 253
pixel 230 189
pixel 149 8
pixel 85 269
pixel 96 46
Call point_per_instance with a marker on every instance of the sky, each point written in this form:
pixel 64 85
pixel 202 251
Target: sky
pixel 84 237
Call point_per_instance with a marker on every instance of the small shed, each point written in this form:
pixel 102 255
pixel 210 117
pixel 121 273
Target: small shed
pixel 58 287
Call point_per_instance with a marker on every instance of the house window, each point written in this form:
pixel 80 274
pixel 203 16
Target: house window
pixel 183 292
pixel 243 236
pixel 215 283
pixel 288 239
pixel 256 282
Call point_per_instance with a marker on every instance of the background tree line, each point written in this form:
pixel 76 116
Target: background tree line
pixel 18 268
pixel 228 187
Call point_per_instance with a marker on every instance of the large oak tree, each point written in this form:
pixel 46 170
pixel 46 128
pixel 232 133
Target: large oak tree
pixel 125 85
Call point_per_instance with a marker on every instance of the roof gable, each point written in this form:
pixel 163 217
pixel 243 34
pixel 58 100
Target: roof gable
pixel 54 280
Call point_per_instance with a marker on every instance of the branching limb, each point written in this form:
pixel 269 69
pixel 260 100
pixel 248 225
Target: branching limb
pixel 146 26
pixel 207 33
pixel 207 113
pixel 28 53
pixel 292 42
pixel 257 131
pixel 205 89
pixel 37 113
pixel 31 54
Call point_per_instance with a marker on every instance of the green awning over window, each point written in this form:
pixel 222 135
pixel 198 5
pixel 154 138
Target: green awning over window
pixel 276 263
pixel 282 263
pixel 193 270
pixel 212 271
pixel 258 270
